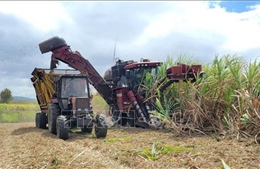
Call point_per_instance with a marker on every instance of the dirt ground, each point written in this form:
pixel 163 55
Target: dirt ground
pixel 25 146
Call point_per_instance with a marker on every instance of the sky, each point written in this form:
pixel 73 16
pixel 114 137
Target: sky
pixel 140 29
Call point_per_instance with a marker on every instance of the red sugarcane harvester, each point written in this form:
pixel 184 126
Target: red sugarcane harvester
pixel 119 86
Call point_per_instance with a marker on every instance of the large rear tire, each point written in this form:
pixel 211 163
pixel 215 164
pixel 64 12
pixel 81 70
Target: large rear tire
pixel 62 127
pixel 37 120
pixel 100 127
pixel 54 111
pixel 41 120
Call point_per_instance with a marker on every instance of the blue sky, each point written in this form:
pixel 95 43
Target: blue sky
pixel 145 29
pixel 237 6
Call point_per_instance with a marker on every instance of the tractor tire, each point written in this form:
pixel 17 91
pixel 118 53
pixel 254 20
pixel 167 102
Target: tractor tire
pixel 100 127
pixel 41 120
pixel 37 120
pixel 62 127
pixel 87 129
pixel 54 111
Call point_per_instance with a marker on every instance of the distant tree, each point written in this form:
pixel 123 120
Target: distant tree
pixel 6 95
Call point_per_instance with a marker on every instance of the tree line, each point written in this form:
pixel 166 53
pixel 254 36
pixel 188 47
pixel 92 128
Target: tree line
pixel 6 96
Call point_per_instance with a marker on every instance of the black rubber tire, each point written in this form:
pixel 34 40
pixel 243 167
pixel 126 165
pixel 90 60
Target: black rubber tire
pixel 87 129
pixel 37 120
pixel 100 127
pixel 54 111
pixel 43 121
pixel 62 128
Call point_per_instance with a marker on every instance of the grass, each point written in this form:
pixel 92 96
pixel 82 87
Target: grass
pixel 157 151
pixel 18 112
pixel 99 104
pixel 127 148
pixel 24 111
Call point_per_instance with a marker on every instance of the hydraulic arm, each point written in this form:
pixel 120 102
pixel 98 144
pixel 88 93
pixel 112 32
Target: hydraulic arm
pixel 62 52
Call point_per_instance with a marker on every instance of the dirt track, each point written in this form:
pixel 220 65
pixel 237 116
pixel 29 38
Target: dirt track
pixel 24 146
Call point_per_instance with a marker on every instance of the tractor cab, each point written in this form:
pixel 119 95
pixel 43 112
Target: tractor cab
pixel 74 94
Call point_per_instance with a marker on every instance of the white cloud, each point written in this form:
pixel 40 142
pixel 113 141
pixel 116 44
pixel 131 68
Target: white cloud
pixel 146 30
pixel 18 86
pixel 197 20
pixel 43 15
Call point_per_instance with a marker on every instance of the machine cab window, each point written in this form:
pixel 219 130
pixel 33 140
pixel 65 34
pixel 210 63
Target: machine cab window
pixel 74 86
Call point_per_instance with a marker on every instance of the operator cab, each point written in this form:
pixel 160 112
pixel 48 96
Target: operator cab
pixel 74 86
pixel 74 93
pixel 136 72
pixel 129 74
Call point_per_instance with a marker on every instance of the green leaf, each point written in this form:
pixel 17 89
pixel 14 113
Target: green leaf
pixel 225 166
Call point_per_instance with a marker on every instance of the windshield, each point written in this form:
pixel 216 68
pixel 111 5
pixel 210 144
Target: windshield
pixel 140 73
pixel 74 87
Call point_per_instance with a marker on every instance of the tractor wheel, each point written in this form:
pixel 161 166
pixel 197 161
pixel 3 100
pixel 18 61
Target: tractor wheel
pixel 87 129
pixel 100 127
pixel 42 121
pixel 52 116
pixel 62 128
pixel 37 120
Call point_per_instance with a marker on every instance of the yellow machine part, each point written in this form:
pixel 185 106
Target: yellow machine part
pixel 44 86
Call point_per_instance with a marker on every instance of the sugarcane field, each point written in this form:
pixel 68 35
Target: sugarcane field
pixel 129 85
